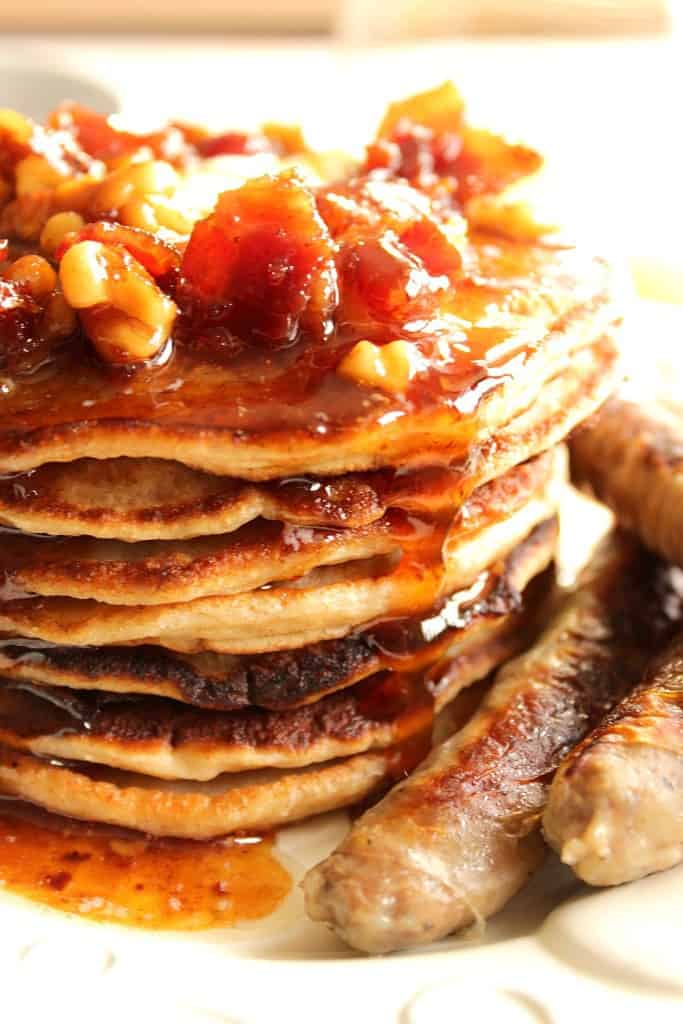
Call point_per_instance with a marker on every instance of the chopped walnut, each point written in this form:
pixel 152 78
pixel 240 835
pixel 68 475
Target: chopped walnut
pixel 124 313
pixel 135 181
pixel 16 133
pixel 35 274
pixel 27 214
pixel 56 229
pixel 36 174
pixel 33 313
pixel 388 367
pixel 159 258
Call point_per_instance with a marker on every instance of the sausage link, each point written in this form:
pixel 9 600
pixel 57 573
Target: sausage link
pixel 631 458
pixel 454 841
pixel 615 808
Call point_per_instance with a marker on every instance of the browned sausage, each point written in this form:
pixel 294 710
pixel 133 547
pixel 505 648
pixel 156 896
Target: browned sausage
pixel 458 838
pixel 615 808
pixel 631 458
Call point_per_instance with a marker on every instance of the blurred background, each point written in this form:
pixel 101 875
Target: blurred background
pixel 385 19
pixel 595 84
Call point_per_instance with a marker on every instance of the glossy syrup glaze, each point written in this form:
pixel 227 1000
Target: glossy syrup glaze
pixel 120 877
pixel 294 390
pixel 413 554
pixel 400 700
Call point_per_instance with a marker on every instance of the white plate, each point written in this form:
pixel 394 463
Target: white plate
pixel 558 953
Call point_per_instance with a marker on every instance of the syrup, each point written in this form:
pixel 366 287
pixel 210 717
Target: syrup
pixel 262 392
pixel 121 877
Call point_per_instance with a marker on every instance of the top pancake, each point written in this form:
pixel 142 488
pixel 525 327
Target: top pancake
pixel 517 321
pixel 403 315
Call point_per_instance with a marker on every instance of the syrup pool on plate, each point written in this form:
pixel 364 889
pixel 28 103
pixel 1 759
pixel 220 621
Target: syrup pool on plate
pixel 116 876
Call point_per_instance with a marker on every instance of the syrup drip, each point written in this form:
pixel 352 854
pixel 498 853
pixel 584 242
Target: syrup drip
pixel 121 877
pixel 348 501
pixel 403 642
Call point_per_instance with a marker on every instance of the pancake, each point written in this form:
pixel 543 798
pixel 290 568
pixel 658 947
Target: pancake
pixel 159 738
pixel 325 604
pixel 151 499
pixel 519 318
pixel 251 801
pixel 148 499
pixel 166 739
pixel 165 572
pixel 245 801
pixel 162 739
pixel 290 678
pixel 279 473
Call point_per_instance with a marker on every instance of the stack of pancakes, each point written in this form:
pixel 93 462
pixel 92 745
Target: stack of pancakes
pixel 297 643
pixel 235 595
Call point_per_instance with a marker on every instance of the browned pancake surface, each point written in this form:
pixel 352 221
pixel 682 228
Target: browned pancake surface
pixel 248 800
pixel 260 552
pixel 292 677
pixel 328 603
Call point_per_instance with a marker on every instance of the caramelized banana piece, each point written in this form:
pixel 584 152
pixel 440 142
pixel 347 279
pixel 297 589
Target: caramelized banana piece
pixel 631 458
pixel 457 839
pixel 615 808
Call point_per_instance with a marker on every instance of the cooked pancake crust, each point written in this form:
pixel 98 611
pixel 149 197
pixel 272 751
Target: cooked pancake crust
pixel 164 739
pixel 156 499
pixel 151 499
pixel 255 800
pixel 292 677
pixel 166 572
pixel 168 741
pixel 232 802
pixel 261 552
pixel 327 604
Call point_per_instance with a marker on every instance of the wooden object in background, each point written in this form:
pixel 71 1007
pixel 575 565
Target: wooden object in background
pixel 354 20
pixel 170 16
